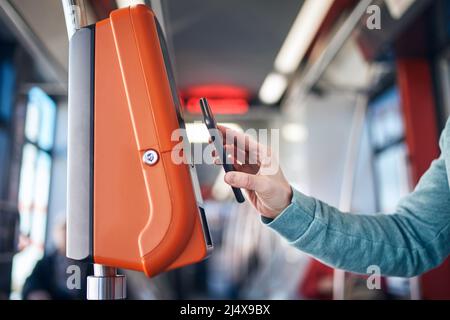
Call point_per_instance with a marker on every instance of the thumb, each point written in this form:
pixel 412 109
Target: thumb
pixel 247 181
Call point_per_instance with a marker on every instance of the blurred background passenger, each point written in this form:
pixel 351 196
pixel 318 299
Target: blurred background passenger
pixel 48 280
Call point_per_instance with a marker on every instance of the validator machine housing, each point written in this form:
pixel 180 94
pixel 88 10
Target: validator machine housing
pixel 129 205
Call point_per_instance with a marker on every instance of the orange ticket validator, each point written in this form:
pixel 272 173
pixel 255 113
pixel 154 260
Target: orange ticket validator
pixel 129 204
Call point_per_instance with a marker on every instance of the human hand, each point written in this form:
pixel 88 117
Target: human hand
pixel 257 172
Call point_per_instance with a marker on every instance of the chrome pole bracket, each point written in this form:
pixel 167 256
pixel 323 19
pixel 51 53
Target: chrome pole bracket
pixel 75 15
pixel 106 284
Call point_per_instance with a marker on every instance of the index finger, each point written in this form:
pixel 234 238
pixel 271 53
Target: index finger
pixel 243 142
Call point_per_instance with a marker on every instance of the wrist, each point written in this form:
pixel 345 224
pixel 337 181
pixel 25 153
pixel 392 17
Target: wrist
pixel 288 194
pixel 286 200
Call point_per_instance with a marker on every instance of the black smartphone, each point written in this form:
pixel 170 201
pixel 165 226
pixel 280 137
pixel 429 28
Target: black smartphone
pixel 211 124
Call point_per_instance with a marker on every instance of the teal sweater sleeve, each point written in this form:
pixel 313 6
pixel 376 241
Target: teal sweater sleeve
pixel 408 242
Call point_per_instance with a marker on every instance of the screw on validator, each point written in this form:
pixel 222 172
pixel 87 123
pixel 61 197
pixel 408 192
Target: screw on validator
pixel 150 157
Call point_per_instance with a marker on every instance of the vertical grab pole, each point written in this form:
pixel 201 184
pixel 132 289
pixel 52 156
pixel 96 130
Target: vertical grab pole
pixel 348 181
pixel 105 284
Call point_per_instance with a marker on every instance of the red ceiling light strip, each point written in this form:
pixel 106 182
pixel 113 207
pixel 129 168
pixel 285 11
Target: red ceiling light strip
pixel 217 91
pixel 219 106
pixel 223 99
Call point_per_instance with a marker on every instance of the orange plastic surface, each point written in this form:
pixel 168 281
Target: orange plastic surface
pixel 145 217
